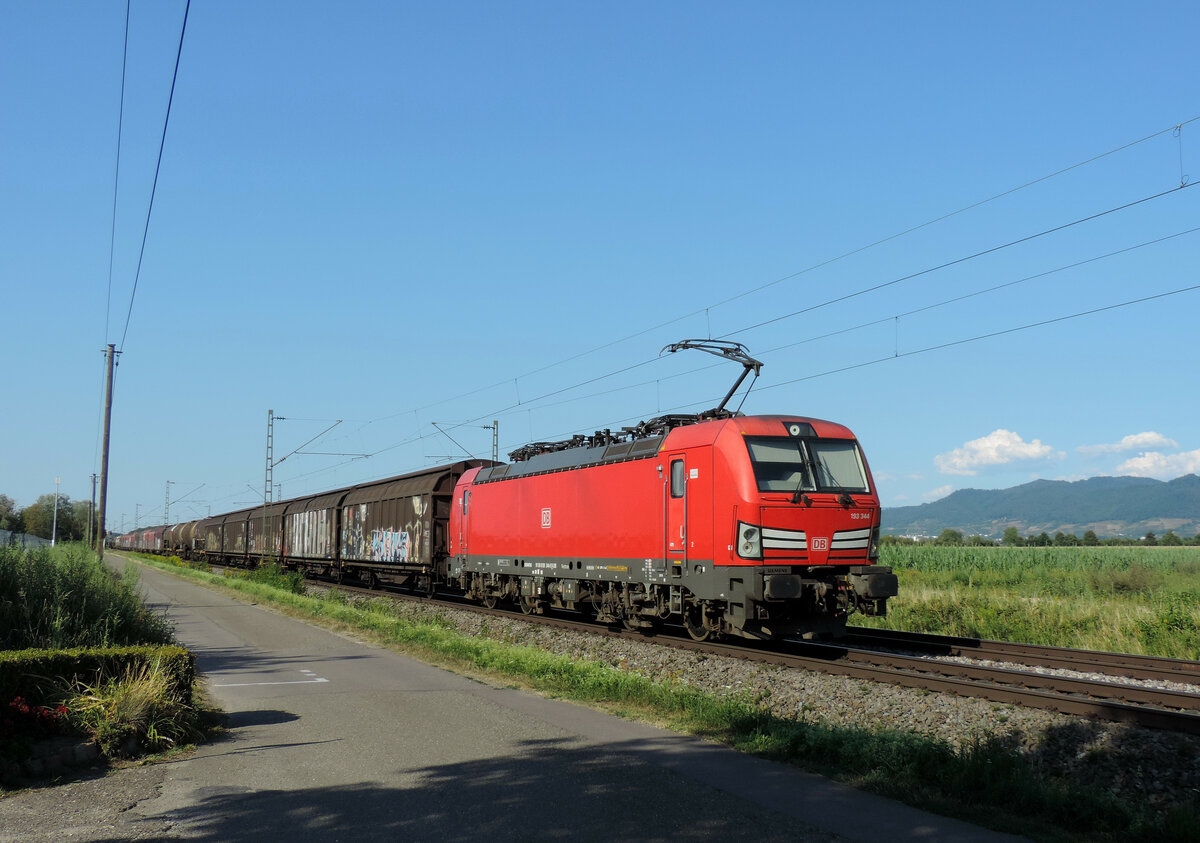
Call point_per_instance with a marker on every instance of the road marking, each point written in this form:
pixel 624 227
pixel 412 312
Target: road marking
pixel 312 679
pixel 249 684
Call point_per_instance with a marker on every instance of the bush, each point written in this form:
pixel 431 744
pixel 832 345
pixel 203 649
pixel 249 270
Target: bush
pixel 64 597
pixel 38 675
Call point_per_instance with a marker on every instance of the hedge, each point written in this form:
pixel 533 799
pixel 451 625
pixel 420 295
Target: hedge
pixel 38 675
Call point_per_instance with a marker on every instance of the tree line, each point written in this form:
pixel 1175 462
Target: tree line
pixel 1013 538
pixel 37 519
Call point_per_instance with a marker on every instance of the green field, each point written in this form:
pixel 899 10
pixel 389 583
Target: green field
pixel 1126 599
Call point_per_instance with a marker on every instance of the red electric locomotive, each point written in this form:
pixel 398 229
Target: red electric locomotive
pixel 751 526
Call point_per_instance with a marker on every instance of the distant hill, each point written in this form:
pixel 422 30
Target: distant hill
pixel 1111 506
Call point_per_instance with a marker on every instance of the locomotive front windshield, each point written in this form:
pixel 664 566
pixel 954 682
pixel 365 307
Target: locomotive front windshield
pixel 782 464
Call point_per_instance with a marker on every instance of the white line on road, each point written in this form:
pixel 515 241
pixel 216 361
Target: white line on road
pixel 250 684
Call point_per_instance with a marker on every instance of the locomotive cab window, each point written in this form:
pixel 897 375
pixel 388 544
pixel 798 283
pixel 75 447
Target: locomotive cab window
pixel 678 478
pixel 807 465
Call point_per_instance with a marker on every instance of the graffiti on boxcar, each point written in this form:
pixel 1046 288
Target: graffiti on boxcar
pixel 389 545
pixel 420 506
pixel 354 542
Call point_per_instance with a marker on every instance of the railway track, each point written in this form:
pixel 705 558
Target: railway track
pixel 870 654
pixel 1057 658
pixel 923 661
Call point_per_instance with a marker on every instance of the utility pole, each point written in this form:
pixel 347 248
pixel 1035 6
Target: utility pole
pixel 167 503
pixel 111 354
pixel 137 515
pixel 54 529
pixel 92 514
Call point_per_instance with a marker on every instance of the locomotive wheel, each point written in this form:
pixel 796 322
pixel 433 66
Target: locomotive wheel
pixel 693 621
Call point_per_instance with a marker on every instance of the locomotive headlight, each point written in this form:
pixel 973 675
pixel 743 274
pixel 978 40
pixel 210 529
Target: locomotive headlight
pixel 749 541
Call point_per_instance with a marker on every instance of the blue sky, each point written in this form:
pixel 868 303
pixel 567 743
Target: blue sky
pixel 397 214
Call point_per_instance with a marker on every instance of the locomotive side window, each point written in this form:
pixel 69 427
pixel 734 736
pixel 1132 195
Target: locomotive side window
pixel 807 465
pixel 678 475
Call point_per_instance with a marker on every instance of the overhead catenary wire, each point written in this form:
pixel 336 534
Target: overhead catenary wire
pixel 881 320
pixel 988 335
pixel 957 261
pixel 851 367
pixel 864 291
pixel 524 404
pixel 1173 128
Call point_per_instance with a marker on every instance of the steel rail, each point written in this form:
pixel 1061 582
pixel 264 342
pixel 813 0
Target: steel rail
pixel 1064 658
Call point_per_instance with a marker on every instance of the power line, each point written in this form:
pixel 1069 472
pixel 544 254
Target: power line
pixel 154 187
pixel 112 237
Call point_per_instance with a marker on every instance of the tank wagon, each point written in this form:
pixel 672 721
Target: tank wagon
pixel 757 527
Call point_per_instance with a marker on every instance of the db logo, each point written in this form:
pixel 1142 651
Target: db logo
pixel 545 518
pixel 817 544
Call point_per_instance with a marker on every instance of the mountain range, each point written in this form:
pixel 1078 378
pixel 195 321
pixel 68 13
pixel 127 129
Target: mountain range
pixel 1110 506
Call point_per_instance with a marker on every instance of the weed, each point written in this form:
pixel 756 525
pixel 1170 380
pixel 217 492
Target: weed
pixel 137 711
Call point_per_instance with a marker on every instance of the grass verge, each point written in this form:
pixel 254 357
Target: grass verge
pixel 989 782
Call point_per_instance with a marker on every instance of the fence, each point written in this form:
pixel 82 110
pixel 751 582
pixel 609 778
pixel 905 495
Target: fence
pixel 22 540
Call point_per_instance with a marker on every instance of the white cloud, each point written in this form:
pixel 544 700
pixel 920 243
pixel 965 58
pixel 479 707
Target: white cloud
pixel 1132 442
pixel 937 494
pixel 1162 466
pixel 997 448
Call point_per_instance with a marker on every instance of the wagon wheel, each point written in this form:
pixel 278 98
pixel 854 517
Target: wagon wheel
pixel 693 620
pixel 490 601
pixel 528 605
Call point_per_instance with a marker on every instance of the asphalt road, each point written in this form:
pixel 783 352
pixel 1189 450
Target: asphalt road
pixel 332 738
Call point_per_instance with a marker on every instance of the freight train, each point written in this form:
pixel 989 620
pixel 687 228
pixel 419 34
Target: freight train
pixel 758 527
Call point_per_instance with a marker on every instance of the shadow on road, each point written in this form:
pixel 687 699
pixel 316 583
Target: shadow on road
pixel 551 790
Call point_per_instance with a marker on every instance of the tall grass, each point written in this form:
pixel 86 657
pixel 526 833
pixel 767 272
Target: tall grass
pixel 61 597
pixel 1128 599
pixel 138 711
